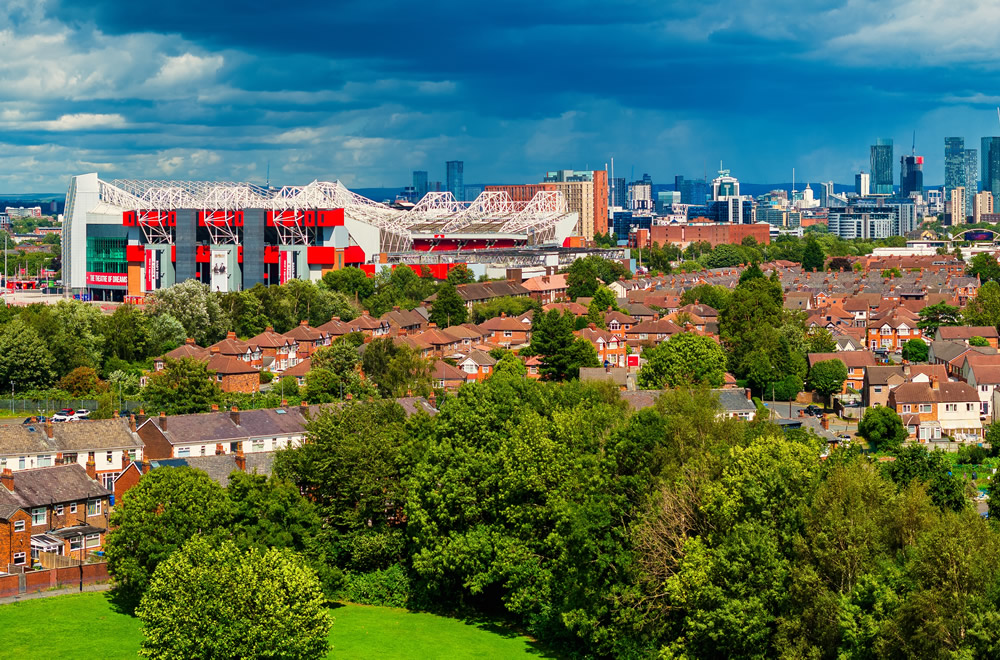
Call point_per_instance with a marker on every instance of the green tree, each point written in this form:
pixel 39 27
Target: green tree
pixel 195 306
pixel 819 340
pixel 978 341
pixel 165 334
pixel 984 266
pixel 684 361
pixel 716 297
pixel 154 518
pixel 604 299
pixel 352 282
pixel 934 316
pixel 395 369
pixel 813 258
pixel 916 350
pixel 82 381
pixel 126 333
pixel 984 309
pixel 183 386
pixel 215 601
pixel 882 428
pixel 448 308
pixel 25 362
pixel 932 468
pixel 827 377
pixel 581 279
pixel 560 352
pixel 461 274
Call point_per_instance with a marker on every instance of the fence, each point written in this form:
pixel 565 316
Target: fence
pixel 21 581
pixel 36 406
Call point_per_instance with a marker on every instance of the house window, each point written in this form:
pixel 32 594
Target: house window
pixel 878 389
pixel 108 479
pixel 94 507
pixel 925 407
pixel 218 377
pixel 984 408
pixel 984 388
pixel 20 462
pixel 486 370
pixel 18 525
pixel 951 407
pixel 38 516
pixel 76 543
pixel 906 407
pixel 68 459
pixel 911 429
pixel 968 407
pixel 257 445
pixel 110 457
pixel 203 449
pixel 19 559
pixel 44 461
pixel 59 509
pixel 72 507
pixel 183 451
pixel 93 540
pixel 508 333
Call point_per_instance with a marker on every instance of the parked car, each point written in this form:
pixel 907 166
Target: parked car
pixel 68 412
pixel 82 413
pixel 59 417
pixel 37 419
pixel 813 410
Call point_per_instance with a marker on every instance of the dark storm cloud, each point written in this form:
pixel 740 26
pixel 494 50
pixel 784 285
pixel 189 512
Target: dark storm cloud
pixel 367 91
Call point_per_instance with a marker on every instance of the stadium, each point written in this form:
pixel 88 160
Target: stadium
pixel 124 238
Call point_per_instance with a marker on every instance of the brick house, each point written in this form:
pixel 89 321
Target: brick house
pixel 880 379
pixel 277 351
pixel 370 326
pixel 618 323
pixel 218 467
pixel 187 349
pixel 931 410
pixel 234 375
pixel 892 331
pixel 965 333
pixel 446 377
pixel 477 366
pixel 611 350
pixel 108 443
pixel 649 333
pixel 505 331
pixel 62 510
pixel 307 338
pixel 857 363
pixel 404 321
pixel 239 349
pixel 546 288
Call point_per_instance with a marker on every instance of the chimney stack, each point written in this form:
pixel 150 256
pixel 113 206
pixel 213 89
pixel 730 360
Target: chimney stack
pixel 189 341
pixel 215 407
pixel 935 385
pixel 7 479
pixel 49 431
pixel 304 408
pixel 826 422
pixel 131 423
pixel 163 421
pixel 230 335
pixel 234 414
pixel 747 392
pixel 241 461
pixel 91 469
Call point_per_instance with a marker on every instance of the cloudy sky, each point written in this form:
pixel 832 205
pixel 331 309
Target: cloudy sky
pixel 366 91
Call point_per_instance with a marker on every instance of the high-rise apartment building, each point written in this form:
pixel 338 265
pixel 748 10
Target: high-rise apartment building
pixel 586 193
pixel 911 175
pixel 982 204
pixel 882 164
pixel 419 184
pixel 954 164
pixel 990 165
pixel 455 178
pixel 640 196
pixel 862 184
pixel 956 208
pixel 693 191
pixel 616 192
pixel 971 178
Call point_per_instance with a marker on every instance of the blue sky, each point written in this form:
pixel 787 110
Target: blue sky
pixel 367 91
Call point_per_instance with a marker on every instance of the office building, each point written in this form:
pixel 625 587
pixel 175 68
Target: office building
pixel 882 164
pixel 825 193
pixel 864 222
pixel 725 186
pixel 783 218
pixel 665 200
pixel 954 164
pixel 862 184
pixel 693 191
pixel 990 165
pixel 735 210
pixel 935 201
pixel 906 215
pixel 956 206
pixel 982 205
pixel 419 184
pixel 472 192
pixel 616 192
pixel 640 197
pixel 911 175
pixel 586 193
pixel 455 177
pixel 971 179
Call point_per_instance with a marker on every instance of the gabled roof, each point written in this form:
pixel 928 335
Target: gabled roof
pixel 303 332
pixel 574 308
pixel 503 322
pixel 270 339
pixel 880 374
pixel 189 349
pixel 335 327
pixel 231 346
pixel 441 370
pixel 654 327
pixel 49 485
pixel 967 332
pixel 924 393
pixel 615 315
pixel 545 283
pixel 986 374
pixel 220 467
pixel 230 366
pixel 299 369
pixel 851 359
pixel 480 358
pixel 367 322
pixel 702 310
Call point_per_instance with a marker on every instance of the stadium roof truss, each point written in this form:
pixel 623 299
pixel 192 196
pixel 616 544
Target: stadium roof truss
pixel 437 212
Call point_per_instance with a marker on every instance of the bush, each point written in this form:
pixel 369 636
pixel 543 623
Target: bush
pixel 287 386
pixel 785 389
pixel 389 587
pixel 266 377
pixel 973 455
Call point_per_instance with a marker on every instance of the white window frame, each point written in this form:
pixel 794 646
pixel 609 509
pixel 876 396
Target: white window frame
pixel 72 507
pixel 20 559
pixel 35 515
pixel 94 505
pixel 92 541
pixel 59 509
pixel 110 457
pixel 76 544
pixel 183 452
pixel 19 525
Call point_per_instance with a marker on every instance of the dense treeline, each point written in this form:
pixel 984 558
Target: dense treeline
pixel 669 531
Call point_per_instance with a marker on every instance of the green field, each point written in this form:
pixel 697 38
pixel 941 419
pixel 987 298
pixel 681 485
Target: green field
pixel 86 626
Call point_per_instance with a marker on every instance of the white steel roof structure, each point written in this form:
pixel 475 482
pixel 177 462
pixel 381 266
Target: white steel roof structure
pixel 437 213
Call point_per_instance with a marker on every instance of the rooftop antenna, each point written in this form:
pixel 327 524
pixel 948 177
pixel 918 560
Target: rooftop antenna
pixel 268 184
pixel 913 149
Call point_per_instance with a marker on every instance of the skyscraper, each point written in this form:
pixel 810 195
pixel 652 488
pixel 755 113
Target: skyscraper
pixel 616 192
pixel 882 163
pixel 954 164
pixel 957 205
pixel 990 155
pixel 911 175
pixel 862 184
pixel 419 184
pixel 456 179
pixel 826 191
pixel 971 178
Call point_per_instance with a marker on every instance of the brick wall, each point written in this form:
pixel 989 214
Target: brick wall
pixel 8 586
pixel 241 383
pixel 11 541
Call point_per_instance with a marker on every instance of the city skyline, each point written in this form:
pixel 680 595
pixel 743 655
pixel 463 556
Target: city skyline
pixel 207 92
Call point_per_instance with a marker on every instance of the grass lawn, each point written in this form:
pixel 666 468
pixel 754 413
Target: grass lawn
pixel 86 626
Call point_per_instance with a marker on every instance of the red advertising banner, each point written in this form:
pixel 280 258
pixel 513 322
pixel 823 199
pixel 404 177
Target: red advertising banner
pixel 286 266
pixel 152 266
pixel 107 279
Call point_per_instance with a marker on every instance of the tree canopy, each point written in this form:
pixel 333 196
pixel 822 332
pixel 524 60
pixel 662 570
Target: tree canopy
pixel 687 360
